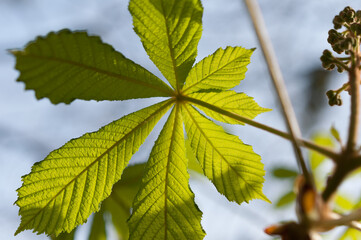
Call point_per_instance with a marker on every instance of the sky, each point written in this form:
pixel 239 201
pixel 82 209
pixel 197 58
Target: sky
pixel 30 129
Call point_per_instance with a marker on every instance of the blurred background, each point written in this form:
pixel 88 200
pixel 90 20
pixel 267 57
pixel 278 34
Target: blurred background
pixel 30 129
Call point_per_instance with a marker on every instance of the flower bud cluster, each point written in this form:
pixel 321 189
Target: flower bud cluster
pixel 334 98
pixel 342 42
pixel 329 62
pixel 347 40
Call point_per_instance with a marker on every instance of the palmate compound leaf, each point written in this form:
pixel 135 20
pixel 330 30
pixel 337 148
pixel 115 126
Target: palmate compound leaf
pixel 65 66
pixel 222 70
pixel 231 101
pixel 170 31
pixel 164 207
pixel 70 183
pixel 232 166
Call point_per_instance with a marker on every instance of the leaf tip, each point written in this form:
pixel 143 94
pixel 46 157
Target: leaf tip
pixel 19 230
pixel 14 51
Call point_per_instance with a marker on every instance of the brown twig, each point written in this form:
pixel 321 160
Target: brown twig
pixel 278 82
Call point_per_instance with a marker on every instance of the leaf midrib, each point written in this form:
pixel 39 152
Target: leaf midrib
pixel 166 104
pixel 167 172
pixel 166 89
pixel 171 50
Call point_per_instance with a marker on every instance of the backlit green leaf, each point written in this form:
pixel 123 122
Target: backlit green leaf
pixel 164 207
pixel 351 234
pixel 233 167
pixel 232 101
pixel 335 133
pixel 170 31
pixel 343 203
pixel 324 140
pixel 70 183
pixel 97 231
pixel 64 236
pixel 119 203
pixel 65 66
pixel 282 172
pixel 286 199
pixel 193 163
pixel 224 69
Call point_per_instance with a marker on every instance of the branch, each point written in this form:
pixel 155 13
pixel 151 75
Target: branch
pixel 354 76
pixel 278 82
pixel 350 220
pixel 320 149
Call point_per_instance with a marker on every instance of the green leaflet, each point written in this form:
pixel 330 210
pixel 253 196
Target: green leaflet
pixel 65 66
pixel 69 184
pixel 284 173
pixel 317 159
pixel 233 167
pixel 64 236
pixel 232 101
pixel 170 31
pixel 193 163
pixel 222 70
pixel 97 231
pixel 286 199
pixel 119 203
pixel 164 207
pixel 351 234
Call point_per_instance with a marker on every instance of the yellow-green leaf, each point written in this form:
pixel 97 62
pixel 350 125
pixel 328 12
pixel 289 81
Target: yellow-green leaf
pixel 64 66
pixel 286 199
pixel 70 183
pixel 164 207
pixel 351 234
pixel 224 69
pixel 97 231
pixel 170 31
pixel 193 163
pixel 283 172
pixel 232 101
pixel 119 203
pixel 324 140
pixel 64 236
pixel 233 167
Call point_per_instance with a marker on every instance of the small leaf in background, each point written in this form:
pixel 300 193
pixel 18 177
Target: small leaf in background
pixel 282 172
pixel 335 134
pixel 316 159
pixel 343 203
pixel 351 234
pixel 193 163
pixel 64 236
pixel 97 231
pixel 119 203
pixel 286 199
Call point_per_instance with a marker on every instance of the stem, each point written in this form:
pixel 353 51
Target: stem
pixel 347 162
pixel 354 76
pixel 345 86
pixel 278 82
pixel 320 149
